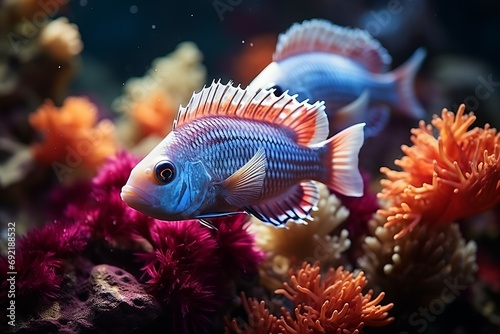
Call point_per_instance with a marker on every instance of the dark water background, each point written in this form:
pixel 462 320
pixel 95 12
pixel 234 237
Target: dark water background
pixel 122 37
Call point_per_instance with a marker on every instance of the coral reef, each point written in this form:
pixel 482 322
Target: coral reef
pixel 361 209
pixel 37 58
pixel 190 267
pixel 180 272
pixel 333 303
pixel 316 243
pixel 40 263
pixel 190 271
pixel 415 268
pixel 61 39
pixel 108 300
pixel 419 256
pixel 150 103
pixel 104 215
pixel 445 178
pixel 74 142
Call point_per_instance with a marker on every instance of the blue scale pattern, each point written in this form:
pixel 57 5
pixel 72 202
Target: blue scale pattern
pixel 225 144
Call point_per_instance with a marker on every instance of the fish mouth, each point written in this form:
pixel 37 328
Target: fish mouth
pixel 137 198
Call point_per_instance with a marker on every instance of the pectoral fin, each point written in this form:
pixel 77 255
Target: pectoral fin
pixel 245 185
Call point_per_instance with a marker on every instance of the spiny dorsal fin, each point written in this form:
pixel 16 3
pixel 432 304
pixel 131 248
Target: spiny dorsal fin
pixel 322 36
pixel 308 121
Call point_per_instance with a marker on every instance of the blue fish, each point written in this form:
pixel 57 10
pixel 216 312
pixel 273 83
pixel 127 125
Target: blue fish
pixel 234 150
pixel 346 68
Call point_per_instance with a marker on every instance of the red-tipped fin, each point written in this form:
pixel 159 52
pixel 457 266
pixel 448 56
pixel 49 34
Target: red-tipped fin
pixel 341 159
pixel 245 185
pixel 297 204
pixel 407 103
pixel 322 36
pixel 308 122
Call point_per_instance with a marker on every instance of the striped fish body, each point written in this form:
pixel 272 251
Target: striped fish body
pixel 337 80
pixel 348 69
pixel 234 150
pixel 226 144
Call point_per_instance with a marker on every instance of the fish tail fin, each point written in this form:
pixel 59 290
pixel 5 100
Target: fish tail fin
pixel 407 103
pixel 341 161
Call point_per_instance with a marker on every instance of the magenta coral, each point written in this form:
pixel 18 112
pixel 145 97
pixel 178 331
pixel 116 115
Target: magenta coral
pixel 182 272
pixel 361 209
pixel 115 172
pixel 236 244
pixel 186 266
pixel 105 215
pixel 190 267
pixel 39 260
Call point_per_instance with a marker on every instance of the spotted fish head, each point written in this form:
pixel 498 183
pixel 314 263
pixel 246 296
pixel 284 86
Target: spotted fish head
pixel 167 186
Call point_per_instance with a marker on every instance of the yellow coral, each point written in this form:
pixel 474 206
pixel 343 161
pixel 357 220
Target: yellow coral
pixel 316 244
pixel 152 101
pixel 61 39
pixel 330 215
pixel 416 267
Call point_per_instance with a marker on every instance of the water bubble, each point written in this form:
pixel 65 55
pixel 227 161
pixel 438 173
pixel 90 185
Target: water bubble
pixel 153 26
pixel 83 3
pixel 134 9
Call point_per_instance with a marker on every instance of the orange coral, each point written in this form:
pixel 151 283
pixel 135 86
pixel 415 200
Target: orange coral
pixel 155 114
pixel 72 136
pixel 334 304
pixel 445 178
pixel 260 321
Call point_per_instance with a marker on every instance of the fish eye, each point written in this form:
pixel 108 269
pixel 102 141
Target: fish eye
pixel 164 172
pixel 278 91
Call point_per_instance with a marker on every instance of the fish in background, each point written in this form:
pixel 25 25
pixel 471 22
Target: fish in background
pixel 346 68
pixel 237 150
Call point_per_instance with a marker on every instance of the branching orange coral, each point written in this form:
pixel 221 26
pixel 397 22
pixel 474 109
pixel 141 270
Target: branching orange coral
pixel 152 101
pixel 155 114
pixel 72 138
pixel 316 240
pixel 260 320
pixel 446 178
pixel 333 304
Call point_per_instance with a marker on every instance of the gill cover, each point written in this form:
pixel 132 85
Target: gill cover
pixel 186 194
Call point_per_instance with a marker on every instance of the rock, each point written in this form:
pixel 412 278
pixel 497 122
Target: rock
pixel 95 299
pixel 119 302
